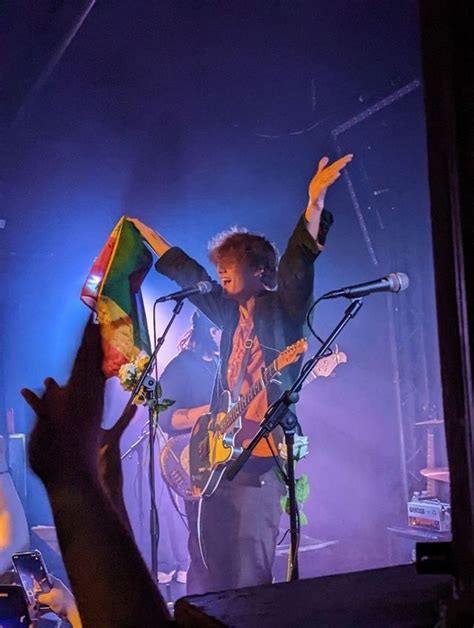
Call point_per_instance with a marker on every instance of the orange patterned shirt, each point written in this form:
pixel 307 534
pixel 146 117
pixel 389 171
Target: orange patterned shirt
pixel 257 408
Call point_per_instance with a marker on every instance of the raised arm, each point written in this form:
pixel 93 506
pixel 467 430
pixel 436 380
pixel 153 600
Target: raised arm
pixel 156 240
pixel 325 176
pixel 175 264
pixel 64 453
pixel 296 271
pixel 110 465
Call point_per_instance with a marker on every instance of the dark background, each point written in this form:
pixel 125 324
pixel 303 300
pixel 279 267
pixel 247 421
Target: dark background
pixel 194 116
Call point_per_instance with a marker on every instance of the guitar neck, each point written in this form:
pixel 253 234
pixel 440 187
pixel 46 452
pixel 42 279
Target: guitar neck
pixel 247 399
pixel 309 378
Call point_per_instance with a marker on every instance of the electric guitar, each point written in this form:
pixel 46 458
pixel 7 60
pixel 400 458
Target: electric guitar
pixel 175 456
pixel 174 464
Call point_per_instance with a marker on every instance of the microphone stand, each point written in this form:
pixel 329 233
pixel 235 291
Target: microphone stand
pixel 152 392
pixel 279 413
pixel 137 446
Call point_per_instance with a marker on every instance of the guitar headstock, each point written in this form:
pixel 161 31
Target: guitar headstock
pixel 326 365
pixel 291 354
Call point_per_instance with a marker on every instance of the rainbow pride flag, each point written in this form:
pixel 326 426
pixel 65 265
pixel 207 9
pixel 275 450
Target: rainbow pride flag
pixel 113 290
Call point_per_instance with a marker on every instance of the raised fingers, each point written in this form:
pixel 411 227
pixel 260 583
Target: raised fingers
pixel 323 162
pixel 87 381
pixel 340 163
pixel 89 356
pixel 329 172
pixel 32 400
pixel 51 385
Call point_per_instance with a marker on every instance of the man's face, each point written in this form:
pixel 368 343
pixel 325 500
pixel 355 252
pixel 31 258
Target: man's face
pixel 239 281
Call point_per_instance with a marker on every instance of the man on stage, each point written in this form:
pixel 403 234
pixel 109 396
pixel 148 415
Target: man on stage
pixel 261 307
pixel 188 379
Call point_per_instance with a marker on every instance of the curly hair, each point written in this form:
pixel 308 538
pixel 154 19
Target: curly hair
pixel 238 244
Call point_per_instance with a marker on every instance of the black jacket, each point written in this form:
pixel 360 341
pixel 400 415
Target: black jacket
pixel 279 315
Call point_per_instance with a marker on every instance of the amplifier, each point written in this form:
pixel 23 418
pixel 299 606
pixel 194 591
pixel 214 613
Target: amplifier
pixel 429 513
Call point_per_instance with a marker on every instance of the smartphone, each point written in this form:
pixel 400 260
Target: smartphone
pixel 13 607
pixel 33 574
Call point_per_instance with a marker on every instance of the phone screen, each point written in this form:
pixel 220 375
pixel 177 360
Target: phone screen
pixel 33 574
pixel 13 607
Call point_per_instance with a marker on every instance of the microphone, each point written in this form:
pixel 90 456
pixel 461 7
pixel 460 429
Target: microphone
pixel 395 282
pixel 202 287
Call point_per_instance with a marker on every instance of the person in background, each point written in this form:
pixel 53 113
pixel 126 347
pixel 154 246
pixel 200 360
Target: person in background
pixel 188 379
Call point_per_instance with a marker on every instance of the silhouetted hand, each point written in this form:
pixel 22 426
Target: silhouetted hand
pixel 71 453
pixel 66 438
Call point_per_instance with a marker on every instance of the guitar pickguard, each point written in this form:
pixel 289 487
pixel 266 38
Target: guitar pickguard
pixel 219 452
pixel 221 446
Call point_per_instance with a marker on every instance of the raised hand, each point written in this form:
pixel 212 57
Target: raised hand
pixel 66 437
pixel 325 176
pixel 71 453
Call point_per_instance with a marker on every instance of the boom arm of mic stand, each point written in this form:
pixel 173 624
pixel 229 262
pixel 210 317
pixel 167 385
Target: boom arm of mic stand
pixel 272 418
pixel 135 445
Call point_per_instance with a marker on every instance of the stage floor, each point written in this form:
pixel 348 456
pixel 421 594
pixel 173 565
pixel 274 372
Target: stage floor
pixel 395 597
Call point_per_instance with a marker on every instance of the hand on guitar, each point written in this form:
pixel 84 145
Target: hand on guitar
pixel 185 418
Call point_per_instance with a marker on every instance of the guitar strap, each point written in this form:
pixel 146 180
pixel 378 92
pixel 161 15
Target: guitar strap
pixel 243 368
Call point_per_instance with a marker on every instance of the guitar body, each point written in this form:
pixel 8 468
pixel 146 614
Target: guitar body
pixel 174 464
pixel 217 439
pixel 210 450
